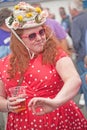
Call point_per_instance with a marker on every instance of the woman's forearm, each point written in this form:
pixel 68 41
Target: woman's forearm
pixel 3 104
pixel 68 91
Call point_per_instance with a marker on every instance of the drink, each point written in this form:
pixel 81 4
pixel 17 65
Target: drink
pixel 18 91
pixel 22 102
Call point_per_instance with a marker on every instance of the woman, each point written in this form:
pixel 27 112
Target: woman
pixel 39 63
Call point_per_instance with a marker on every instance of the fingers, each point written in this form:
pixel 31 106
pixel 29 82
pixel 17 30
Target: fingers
pixel 41 106
pixel 36 101
pixel 40 113
pixel 32 102
pixel 35 105
pixel 13 104
pixel 39 101
pixel 22 96
pixel 38 110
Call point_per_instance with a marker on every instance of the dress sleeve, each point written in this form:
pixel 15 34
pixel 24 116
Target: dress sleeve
pixel 61 54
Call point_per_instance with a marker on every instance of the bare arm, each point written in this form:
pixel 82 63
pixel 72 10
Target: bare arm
pixel 72 82
pixel 71 79
pixel 8 104
pixel 3 100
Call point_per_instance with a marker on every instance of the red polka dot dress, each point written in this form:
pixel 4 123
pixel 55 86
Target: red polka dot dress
pixel 42 81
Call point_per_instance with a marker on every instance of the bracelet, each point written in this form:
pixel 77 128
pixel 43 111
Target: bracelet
pixel 7 107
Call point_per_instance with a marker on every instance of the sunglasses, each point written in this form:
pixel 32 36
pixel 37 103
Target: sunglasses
pixel 33 36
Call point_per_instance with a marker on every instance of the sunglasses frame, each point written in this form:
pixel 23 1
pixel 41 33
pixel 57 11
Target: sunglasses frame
pixel 33 35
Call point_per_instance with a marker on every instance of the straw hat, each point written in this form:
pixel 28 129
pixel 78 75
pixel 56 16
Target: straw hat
pixel 26 16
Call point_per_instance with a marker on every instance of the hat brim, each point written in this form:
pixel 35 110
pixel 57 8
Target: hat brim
pixel 25 26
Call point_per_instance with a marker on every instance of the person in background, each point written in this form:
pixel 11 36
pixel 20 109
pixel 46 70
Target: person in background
pixel 4 39
pixel 78 32
pixel 65 20
pixel 50 14
pixel 83 90
pixel 84 78
pixel 83 99
pixel 4 32
pixel 85 61
pixel 38 62
pixel 63 37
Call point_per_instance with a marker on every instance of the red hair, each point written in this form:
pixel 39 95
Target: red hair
pixel 19 60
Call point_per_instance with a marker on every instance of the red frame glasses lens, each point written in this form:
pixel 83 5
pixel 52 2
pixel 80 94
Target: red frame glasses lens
pixel 34 35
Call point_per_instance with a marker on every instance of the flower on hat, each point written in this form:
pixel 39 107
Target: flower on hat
pixel 16 7
pixel 15 24
pixel 38 9
pixel 20 18
pixel 26 16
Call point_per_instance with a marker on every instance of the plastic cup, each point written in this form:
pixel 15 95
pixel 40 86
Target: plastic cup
pixel 17 91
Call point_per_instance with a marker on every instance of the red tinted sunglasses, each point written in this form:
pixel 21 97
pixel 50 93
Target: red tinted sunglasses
pixel 32 36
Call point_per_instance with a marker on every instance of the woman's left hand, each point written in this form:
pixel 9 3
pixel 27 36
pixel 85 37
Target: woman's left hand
pixel 45 105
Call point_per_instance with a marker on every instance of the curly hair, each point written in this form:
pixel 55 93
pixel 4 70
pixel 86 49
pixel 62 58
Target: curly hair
pixel 19 59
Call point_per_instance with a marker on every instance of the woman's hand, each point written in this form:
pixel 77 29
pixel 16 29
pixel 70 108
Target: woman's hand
pixel 45 105
pixel 13 104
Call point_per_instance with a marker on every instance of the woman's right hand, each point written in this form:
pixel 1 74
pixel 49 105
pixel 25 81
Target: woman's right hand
pixel 13 104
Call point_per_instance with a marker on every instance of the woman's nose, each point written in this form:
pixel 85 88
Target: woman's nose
pixel 38 36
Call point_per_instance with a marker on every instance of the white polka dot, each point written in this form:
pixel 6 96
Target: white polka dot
pixel 30 75
pixel 23 81
pixel 46 77
pixel 41 80
pixel 26 120
pixel 32 123
pixel 38 71
pixel 40 120
pixel 32 66
pixel 45 86
pixel 35 95
pixel 24 127
pixel 29 82
pixel 17 81
pixel 35 79
pixel 50 72
pixel 35 125
pixel 34 120
pixel 6 65
pixel 55 82
pixel 40 126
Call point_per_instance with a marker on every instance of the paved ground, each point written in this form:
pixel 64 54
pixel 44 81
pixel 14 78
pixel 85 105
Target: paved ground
pixel 83 109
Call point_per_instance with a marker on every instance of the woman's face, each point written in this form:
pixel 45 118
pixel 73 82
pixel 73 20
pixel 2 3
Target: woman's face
pixel 34 39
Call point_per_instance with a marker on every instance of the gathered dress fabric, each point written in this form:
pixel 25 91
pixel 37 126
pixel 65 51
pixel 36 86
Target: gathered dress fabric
pixel 41 81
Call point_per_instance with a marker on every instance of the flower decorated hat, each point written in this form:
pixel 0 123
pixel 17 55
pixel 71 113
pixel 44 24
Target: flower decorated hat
pixel 26 16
